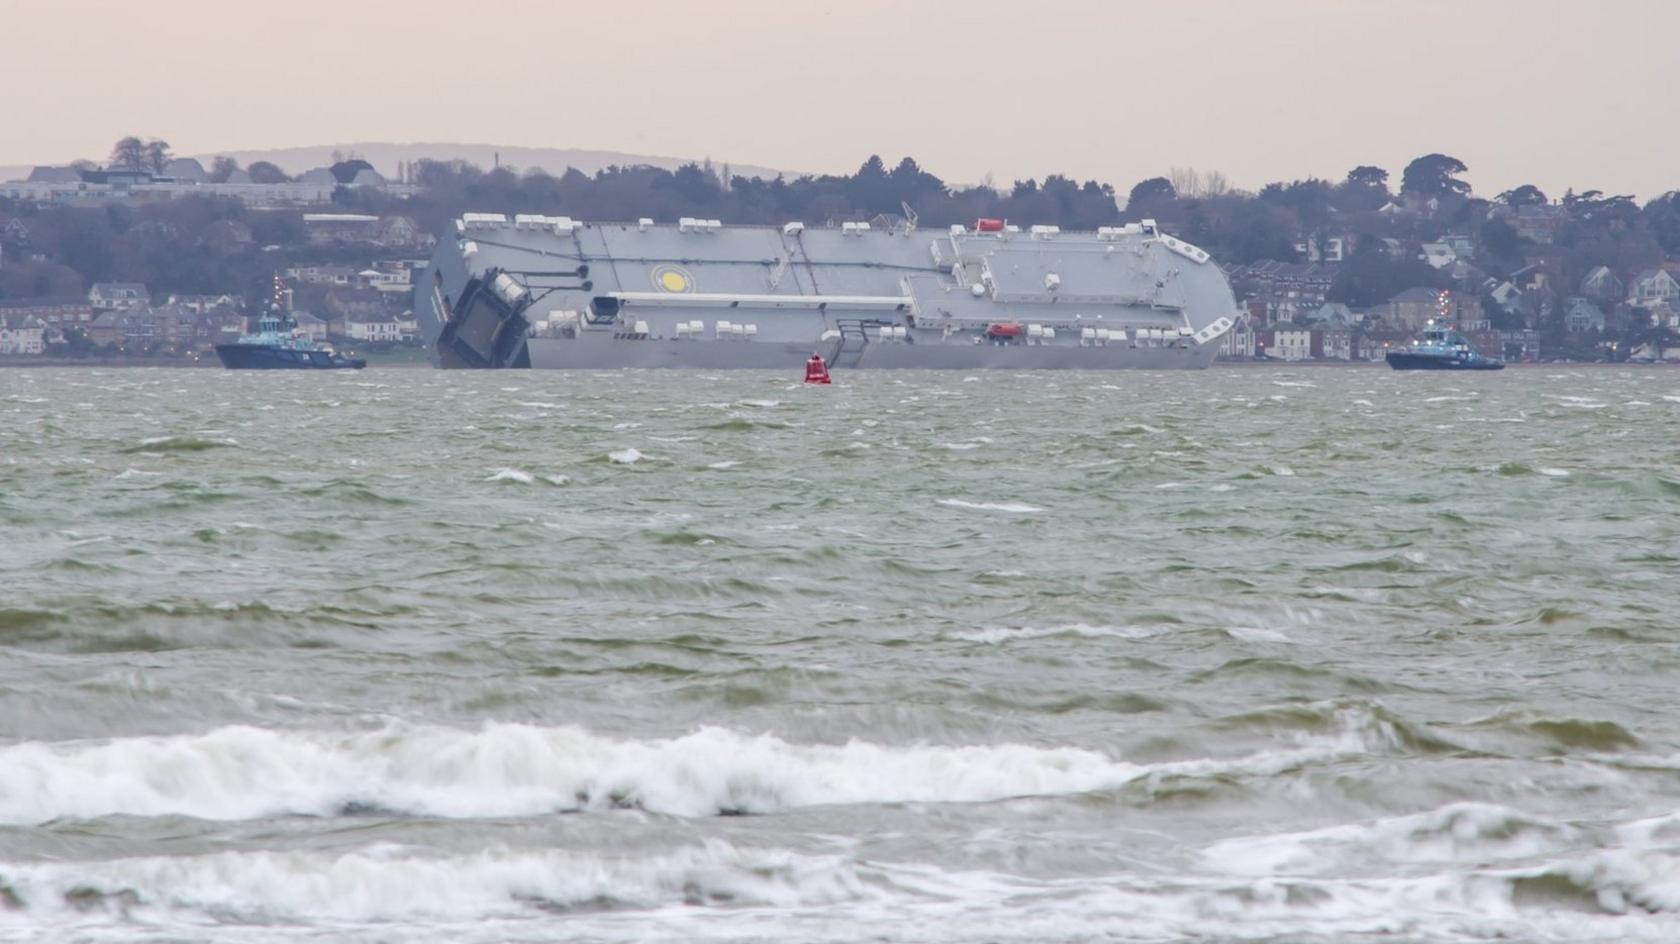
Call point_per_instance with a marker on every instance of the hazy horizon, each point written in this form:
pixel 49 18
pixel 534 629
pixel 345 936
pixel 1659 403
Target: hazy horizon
pixel 1112 91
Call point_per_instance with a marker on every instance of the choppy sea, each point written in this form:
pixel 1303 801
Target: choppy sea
pixel 1234 655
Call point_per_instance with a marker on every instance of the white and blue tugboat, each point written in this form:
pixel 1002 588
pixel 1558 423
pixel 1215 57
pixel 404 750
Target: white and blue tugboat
pixel 278 345
pixel 1442 349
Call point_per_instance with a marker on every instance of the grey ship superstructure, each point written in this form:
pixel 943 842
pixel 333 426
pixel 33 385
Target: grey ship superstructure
pixel 553 292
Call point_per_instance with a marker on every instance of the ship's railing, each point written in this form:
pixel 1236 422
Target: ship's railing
pixel 734 300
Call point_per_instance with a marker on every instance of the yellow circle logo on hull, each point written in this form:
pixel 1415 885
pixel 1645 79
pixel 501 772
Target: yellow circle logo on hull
pixel 673 279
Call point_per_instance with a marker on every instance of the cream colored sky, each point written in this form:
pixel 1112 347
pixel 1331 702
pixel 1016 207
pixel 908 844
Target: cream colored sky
pixel 1558 94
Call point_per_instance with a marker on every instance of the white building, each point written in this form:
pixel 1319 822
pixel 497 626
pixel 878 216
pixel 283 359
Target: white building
pixel 375 329
pixel 1290 343
pixel 1438 255
pixel 1652 286
pixel 117 296
pixel 23 334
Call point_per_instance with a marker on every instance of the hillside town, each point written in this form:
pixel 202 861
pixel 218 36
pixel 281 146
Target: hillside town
pixel 153 256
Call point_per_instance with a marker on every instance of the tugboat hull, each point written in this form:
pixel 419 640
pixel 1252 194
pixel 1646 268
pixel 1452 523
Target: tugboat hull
pixel 259 357
pixel 1407 360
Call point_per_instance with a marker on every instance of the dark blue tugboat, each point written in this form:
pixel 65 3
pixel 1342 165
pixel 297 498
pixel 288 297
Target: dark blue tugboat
pixel 1442 349
pixel 277 345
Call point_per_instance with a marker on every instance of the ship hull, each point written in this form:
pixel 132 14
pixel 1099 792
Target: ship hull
pixel 556 293
pixel 585 353
pixel 259 357
pixel 1402 360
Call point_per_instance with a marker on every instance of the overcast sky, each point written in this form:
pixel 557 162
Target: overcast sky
pixel 1552 93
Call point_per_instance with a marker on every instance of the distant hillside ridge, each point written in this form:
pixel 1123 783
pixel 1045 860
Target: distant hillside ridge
pixel 385 156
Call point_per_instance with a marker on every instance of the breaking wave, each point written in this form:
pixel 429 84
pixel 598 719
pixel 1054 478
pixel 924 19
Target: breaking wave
pixel 236 773
pixel 1019 508
pixel 384 883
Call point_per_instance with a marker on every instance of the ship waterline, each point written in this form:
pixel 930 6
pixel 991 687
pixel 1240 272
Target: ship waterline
pixel 552 292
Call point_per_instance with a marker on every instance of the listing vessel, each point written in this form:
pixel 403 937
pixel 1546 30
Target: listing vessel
pixel 1442 349
pixel 278 345
pixel 554 292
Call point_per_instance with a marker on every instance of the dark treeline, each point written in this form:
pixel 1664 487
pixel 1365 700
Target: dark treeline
pixel 188 245
pixel 626 193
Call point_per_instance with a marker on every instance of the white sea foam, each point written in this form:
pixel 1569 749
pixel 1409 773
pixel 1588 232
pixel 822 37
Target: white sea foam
pixel 385 883
pixel 1554 472
pixel 511 770
pixel 720 466
pixel 511 475
pixel 625 456
pixel 1018 508
pixel 240 773
pixel 1001 634
pixel 1254 634
pixel 1459 832
pixel 718 892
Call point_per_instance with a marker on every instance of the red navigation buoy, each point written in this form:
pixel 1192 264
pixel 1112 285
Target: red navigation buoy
pixel 816 372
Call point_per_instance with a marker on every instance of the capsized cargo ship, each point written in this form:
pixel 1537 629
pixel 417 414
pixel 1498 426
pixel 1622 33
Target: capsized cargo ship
pixel 554 292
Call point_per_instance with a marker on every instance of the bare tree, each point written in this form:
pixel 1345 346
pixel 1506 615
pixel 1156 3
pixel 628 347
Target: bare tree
pixel 128 152
pixel 1214 184
pixel 1186 181
pixel 222 168
pixel 157 155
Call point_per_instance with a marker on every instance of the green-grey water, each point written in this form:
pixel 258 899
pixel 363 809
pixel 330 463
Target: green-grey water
pixel 1242 654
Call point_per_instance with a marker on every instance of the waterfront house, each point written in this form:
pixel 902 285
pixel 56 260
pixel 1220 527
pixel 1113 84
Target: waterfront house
pixel 58 313
pixel 1652 286
pixel 1238 343
pixel 1284 342
pixel 1581 316
pixel 313 327
pixel 1332 342
pixel 1602 286
pixel 1412 309
pixel 219 325
pixel 374 326
pixel 22 334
